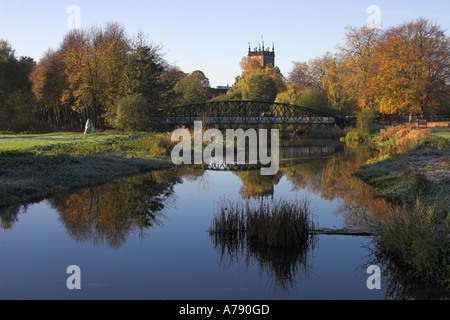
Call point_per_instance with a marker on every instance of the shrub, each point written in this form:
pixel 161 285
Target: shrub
pixel 417 238
pixel 158 145
pixel 364 120
pixel 401 139
pixel 133 113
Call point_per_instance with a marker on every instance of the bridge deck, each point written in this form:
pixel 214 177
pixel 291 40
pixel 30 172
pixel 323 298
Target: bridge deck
pixel 251 120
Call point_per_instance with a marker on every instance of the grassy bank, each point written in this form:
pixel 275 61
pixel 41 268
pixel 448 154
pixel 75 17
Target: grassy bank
pixel 411 163
pixel 36 166
pixel 412 171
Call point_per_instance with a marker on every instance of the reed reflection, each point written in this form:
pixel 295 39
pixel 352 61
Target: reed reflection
pixel 275 235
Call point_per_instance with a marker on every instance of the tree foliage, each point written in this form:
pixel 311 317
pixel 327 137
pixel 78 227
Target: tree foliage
pixel 16 100
pixel 94 70
pixel 192 88
pixel 401 70
pixel 256 83
pixel 307 97
pixel 258 86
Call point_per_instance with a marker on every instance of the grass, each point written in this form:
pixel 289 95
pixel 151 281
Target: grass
pixel 281 224
pixel 421 172
pixel 16 142
pixel 413 171
pixel 442 134
pixel 417 239
pixel 36 166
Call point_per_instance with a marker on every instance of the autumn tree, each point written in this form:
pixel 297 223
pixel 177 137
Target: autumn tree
pixel 334 87
pixel 49 81
pixel 413 69
pixel 401 70
pixel 309 74
pixel 93 70
pixel 95 62
pixel 250 66
pixel 357 64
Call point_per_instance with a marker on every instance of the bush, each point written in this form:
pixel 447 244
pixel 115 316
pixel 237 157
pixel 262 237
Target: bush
pixel 401 139
pixel 364 129
pixel 364 121
pixel 133 113
pixel 156 145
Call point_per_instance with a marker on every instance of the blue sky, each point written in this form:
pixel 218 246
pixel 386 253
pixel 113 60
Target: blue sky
pixel 212 36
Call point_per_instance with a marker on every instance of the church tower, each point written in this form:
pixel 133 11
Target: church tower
pixel 262 54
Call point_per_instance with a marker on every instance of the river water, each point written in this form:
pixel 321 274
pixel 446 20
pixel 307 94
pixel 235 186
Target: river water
pixel 146 237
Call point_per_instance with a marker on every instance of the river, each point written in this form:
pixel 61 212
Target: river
pixel 145 237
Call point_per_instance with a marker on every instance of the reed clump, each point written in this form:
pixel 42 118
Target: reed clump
pixel 273 224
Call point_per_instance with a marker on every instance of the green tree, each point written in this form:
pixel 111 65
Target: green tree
pixel 308 97
pixel 258 86
pixel 193 88
pixel 16 100
pixel 134 113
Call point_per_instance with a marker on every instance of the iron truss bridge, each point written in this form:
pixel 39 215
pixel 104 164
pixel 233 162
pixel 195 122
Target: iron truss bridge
pixel 245 112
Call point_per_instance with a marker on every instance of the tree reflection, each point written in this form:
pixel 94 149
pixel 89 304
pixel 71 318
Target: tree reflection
pixel 361 207
pixel 10 215
pixel 256 185
pixel 108 214
pixel 332 178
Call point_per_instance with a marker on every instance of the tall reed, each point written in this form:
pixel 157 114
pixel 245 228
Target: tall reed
pixel 275 224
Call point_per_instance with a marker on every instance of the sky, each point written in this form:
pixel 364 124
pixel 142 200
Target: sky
pixel 210 35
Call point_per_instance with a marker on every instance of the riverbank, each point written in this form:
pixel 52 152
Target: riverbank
pixel 34 167
pixel 411 163
pixel 412 171
pixel 423 172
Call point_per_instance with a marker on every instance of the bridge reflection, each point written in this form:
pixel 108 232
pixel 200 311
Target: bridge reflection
pixel 287 156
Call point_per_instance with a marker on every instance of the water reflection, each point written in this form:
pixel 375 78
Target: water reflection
pixel 282 268
pixel 10 215
pixel 273 235
pixel 254 185
pixel 107 214
pixel 399 283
